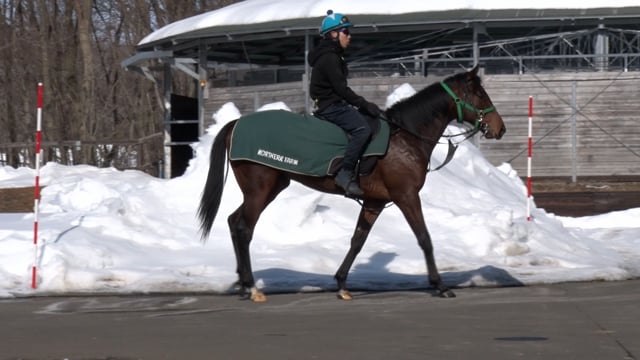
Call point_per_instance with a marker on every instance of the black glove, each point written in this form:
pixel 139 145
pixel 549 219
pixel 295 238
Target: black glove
pixel 371 109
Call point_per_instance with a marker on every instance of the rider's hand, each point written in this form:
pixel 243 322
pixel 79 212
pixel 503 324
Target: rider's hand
pixel 372 109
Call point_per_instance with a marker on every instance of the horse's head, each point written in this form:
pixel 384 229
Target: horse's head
pixel 473 105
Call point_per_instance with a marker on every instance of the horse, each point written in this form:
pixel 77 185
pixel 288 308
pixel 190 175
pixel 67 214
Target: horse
pixel 417 123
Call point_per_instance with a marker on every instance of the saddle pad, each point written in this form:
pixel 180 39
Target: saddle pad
pixel 295 143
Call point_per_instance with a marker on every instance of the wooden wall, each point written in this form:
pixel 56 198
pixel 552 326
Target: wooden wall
pixel 607 123
pixel 607 120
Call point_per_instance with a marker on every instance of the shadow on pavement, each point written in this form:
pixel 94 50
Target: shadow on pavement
pixel 375 276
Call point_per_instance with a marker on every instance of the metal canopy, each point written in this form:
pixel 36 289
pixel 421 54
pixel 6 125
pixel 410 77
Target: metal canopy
pixel 381 36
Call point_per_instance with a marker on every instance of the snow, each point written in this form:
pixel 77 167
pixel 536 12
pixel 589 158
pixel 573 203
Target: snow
pixel 110 231
pixel 259 11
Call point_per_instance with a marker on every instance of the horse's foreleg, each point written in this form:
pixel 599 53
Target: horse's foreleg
pixel 412 211
pixel 368 215
pixel 424 240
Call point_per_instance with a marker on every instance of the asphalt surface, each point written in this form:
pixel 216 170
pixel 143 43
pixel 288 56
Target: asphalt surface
pixel 596 320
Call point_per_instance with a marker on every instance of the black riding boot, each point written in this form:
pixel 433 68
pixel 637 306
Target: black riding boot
pixel 344 179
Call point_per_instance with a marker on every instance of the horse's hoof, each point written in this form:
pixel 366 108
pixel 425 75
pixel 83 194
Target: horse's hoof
pixel 344 295
pixel 257 296
pixel 447 294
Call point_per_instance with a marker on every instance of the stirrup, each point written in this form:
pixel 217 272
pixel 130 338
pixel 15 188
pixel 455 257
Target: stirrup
pixel 353 190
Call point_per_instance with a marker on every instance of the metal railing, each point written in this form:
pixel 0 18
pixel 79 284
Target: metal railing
pixel 445 63
pixel 142 154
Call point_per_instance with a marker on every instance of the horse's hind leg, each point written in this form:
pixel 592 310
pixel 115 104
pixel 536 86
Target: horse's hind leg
pixel 368 215
pixel 264 186
pixel 241 235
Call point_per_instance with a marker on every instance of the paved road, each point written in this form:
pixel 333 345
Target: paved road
pixel 563 321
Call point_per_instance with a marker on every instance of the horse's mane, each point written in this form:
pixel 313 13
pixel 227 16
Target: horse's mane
pixel 427 104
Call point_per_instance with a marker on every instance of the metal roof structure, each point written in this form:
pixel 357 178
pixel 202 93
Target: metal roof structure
pixel 381 36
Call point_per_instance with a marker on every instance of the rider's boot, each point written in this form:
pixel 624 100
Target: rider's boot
pixel 344 179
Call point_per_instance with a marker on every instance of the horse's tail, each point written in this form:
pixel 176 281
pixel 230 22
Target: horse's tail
pixel 212 193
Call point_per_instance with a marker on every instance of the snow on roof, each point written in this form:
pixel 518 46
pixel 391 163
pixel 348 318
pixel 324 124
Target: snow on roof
pixel 261 11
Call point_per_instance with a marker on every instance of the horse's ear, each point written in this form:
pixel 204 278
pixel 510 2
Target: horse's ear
pixel 474 72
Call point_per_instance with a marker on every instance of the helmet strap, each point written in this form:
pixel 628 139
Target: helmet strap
pixel 329 35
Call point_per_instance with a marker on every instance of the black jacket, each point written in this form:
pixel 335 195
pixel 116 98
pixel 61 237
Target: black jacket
pixel 329 76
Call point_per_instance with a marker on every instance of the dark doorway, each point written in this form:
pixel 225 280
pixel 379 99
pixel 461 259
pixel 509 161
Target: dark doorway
pixel 184 130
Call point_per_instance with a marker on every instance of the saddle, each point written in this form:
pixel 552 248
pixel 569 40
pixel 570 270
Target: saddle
pixel 300 143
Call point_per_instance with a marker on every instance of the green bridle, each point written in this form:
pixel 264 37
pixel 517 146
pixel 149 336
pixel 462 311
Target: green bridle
pixel 460 104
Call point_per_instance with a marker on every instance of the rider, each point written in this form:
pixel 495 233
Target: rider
pixel 335 101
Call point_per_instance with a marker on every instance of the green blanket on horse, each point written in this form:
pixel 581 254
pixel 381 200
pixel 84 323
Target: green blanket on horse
pixel 296 143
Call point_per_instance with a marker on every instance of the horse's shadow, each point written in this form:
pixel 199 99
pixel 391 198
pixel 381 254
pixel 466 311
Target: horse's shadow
pixel 375 276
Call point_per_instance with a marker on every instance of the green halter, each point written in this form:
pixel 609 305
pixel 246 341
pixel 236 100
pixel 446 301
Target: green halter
pixel 460 103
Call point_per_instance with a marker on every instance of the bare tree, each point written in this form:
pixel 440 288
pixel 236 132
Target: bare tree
pixel 75 48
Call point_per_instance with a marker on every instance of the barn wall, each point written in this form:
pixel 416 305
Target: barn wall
pixel 607 120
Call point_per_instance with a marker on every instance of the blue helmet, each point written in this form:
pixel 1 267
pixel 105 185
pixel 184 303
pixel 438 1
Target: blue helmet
pixel 333 21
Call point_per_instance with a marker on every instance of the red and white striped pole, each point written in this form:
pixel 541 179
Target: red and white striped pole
pixel 529 158
pixel 36 202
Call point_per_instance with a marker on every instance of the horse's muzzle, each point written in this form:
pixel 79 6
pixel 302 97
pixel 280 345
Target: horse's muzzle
pixel 486 131
pixel 503 130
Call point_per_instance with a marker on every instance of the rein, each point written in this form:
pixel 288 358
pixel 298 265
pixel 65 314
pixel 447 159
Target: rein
pixel 451 149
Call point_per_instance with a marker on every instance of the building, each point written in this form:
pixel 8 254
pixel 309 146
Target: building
pixel 543 48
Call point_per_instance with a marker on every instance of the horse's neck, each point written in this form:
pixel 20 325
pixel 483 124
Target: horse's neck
pixel 436 122
pixel 429 124
pixel 441 118
pixel 438 126
pixel 423 140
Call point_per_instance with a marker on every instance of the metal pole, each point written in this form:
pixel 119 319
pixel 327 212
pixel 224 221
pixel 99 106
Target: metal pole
pixel 520 65
pixel 574 137
pixel 166 88
pixel 425 55
pixel 202 85
pixel 307 73
pixel 529 157
pixel 36 197
pixel 476 49
pixel 256 101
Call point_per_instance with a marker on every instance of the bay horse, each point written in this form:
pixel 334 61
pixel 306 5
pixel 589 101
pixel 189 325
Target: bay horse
pixel 417 123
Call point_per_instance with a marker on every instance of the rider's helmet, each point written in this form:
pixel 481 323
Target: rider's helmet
pixel 333 21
